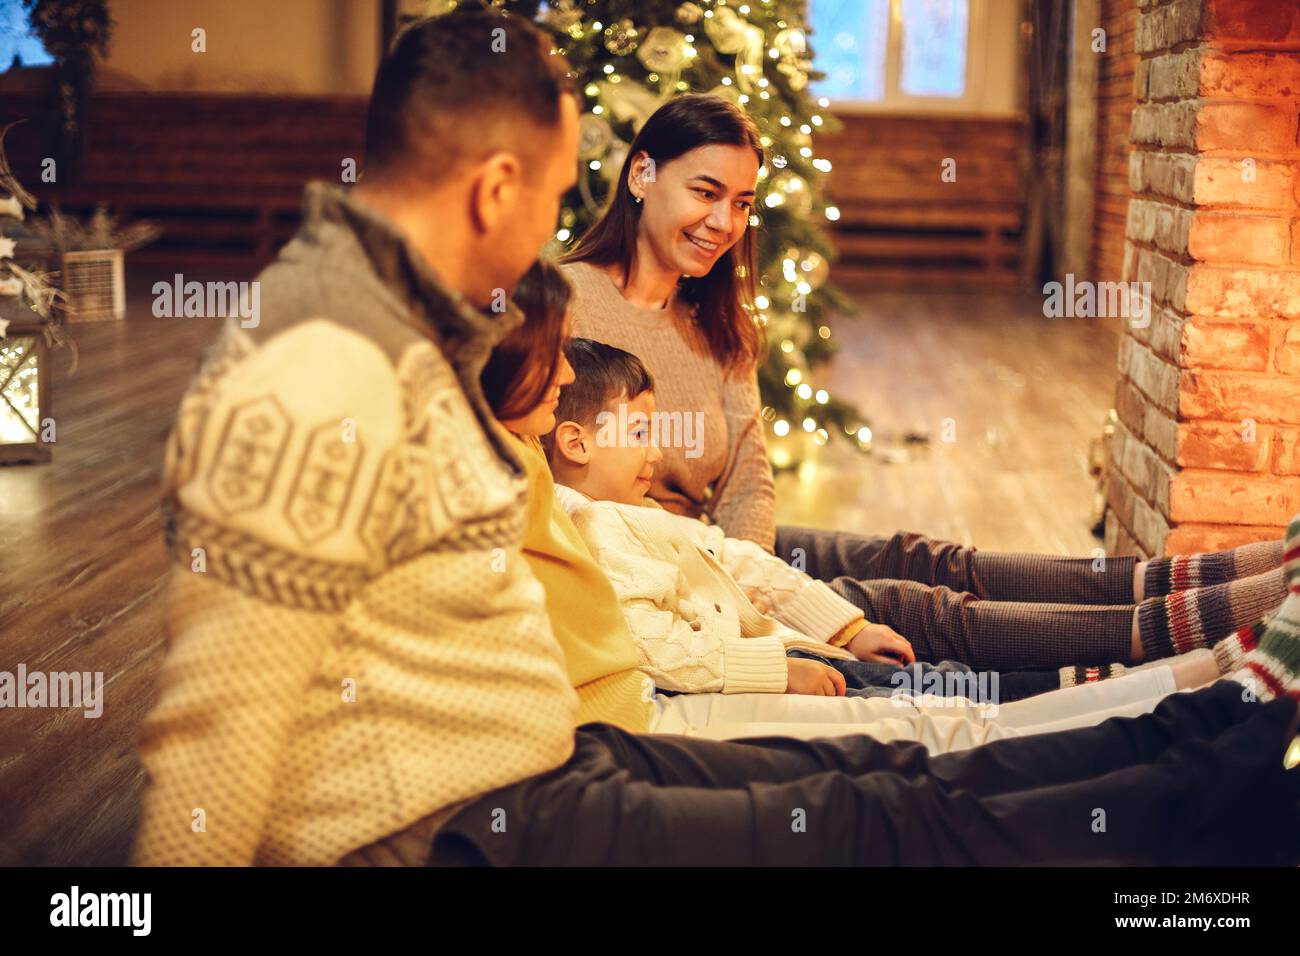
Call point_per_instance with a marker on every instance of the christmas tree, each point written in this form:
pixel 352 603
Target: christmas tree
pixel 631 56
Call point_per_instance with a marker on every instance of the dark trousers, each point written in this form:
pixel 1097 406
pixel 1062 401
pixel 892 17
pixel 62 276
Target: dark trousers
pixel 869 679
pixel 986 609
pixel 1198 781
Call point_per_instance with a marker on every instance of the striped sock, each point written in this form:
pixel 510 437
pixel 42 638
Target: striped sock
pixel 1267 655
pixel 1073 676
pixel 1201 617
pixel 1182 572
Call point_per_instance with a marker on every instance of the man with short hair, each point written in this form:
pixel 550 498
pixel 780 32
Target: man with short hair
pixel 360 667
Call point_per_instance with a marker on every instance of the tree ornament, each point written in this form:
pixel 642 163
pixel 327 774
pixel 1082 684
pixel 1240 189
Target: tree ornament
pixel 594 137
pixel 726 30
pixel 689 13
pixel 664 51
pixel 621 37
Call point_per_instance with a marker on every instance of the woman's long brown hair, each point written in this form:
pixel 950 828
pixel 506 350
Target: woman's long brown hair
pixel 524 364
pixel 721 297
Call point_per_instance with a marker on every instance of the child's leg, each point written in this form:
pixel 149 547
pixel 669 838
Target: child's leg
pixel 943 624
pixel 944 678
pixel 941 729
pixel 1088 699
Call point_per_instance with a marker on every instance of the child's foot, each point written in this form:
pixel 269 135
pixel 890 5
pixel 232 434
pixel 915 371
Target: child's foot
pixel 1201 617
pixel 1266 656
pixel 1079 674
pixel 1183 572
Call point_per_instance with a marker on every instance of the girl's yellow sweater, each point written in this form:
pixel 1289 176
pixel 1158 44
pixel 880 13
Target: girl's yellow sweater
pixel 584 611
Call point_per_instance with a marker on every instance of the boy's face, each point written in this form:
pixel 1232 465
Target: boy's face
pixel 623 457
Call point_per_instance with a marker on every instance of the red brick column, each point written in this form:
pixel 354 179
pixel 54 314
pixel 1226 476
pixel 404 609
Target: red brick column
pixel 1207 450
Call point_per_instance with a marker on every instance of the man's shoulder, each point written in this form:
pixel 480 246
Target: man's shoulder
pixel 300 288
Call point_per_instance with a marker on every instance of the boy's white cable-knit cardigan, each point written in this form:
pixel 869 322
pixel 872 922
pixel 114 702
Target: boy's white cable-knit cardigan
pixel 682 586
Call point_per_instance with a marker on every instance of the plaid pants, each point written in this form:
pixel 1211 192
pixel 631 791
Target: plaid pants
pixel 986 609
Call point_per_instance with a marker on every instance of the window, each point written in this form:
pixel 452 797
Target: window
pixel 899 54
pixel 19 46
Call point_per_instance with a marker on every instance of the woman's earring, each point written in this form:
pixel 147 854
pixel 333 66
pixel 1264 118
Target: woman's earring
pixel 637 200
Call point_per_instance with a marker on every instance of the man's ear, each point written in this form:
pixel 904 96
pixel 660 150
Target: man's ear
pixel 495 189
pixel 572 443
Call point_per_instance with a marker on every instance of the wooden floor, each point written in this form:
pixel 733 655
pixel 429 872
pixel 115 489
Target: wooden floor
pixel 82 563
pixel 1023 394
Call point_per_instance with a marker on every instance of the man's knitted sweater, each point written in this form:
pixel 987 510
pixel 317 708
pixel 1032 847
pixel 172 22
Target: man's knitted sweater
pixel 356 641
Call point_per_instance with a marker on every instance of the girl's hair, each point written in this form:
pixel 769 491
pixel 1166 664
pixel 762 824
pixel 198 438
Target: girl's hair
pixel 523 365
pixel 680 125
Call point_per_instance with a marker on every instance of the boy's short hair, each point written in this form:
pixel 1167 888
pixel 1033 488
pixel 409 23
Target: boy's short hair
pixel 601 374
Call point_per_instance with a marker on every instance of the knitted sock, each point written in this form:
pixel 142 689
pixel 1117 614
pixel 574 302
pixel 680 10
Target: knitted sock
pixel 1202 617
pixel 1072 676
pixel 1266 655
pixel 1184 571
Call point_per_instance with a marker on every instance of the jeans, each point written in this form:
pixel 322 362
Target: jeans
pixel 947 678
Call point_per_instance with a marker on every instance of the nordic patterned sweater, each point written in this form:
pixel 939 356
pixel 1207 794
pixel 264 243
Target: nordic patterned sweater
pixel 355 639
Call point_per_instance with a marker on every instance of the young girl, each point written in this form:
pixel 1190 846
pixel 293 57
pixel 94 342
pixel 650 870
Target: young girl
pixel 523 381
pixel 668 272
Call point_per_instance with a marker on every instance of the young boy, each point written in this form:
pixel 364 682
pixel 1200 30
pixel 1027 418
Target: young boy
pixel 683 584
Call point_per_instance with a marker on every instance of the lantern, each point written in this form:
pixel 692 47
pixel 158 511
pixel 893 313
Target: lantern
pixel 26 428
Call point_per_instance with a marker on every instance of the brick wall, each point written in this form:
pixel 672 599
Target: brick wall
pixel 1114 116
pixel 1207 451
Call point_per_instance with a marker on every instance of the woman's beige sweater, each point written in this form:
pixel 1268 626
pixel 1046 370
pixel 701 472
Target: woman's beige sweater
pixel 715 461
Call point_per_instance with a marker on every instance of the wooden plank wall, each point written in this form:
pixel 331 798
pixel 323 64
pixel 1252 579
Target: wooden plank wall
pixel 222 174
pixel 901 223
